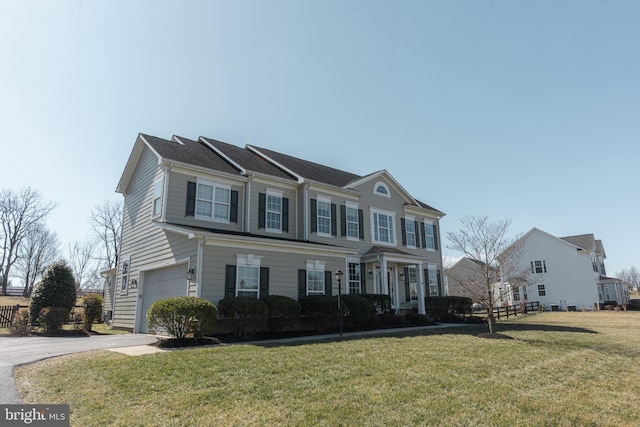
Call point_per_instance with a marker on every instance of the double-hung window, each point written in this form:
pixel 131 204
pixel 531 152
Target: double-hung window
pixel 248 277
pixel 538 266
pixel 413 283
pixel 410 230
pixel 383 229
pixel 433 281
pixel 274 212
pixel 157 198
pixel 542 291
pixel 213 201
pixel 430 236
pixel 352 222
pixel 315 282
pixel 324 216
pixel 354 278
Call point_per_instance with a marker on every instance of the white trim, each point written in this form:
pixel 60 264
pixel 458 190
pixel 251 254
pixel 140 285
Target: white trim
pixel 387 192
pixel 323 199
pixel 299 178
pixel 278 194
pixel 351 205
pixel 214 185
pixel 158 185
pixel 392 231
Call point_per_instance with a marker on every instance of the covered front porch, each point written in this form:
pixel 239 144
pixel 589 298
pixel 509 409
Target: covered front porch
pixel 400 275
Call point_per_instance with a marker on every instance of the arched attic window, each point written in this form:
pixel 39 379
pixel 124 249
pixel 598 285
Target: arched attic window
pixel 381 189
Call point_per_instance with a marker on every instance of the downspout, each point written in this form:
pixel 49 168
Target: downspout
pixel 305 209
pixel 165 190
pixel 200 256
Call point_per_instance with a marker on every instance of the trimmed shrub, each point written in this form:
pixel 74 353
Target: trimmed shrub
pixel 393 319
pixel 52 319
pixel 358 310
pixel 448 308
pixel 248 315
pixel 56 289
pixel 322 310
pixel 380 304
pixel 181 316
pixel 21 326
pixel 418 319
pixel 283 312
pixel 92 310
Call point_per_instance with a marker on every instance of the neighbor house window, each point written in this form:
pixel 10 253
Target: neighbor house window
pixel 324 216
pixel 354 278
pixel 538 266
pixel 352 222
pixel 274 212
pixel 542 291
pixel 383 230
pixel 157 198
pixel 213 201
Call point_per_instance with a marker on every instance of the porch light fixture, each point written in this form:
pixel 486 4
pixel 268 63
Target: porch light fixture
pixel 370 274
pixel 133 283
pixel 339 275
pixel 190 273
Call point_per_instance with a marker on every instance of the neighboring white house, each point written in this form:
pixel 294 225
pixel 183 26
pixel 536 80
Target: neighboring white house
pixel 567 273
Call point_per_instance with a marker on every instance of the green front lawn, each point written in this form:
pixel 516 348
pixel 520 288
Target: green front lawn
pixel 565 369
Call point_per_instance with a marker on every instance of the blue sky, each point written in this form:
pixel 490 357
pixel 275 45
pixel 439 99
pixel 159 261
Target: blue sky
pixel 521 110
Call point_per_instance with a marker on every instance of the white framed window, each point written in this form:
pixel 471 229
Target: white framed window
pixel 274 211
pixel 429 235
pixel 542 291
pixel 124 277
pixel 410 231
pixel 315 277
pixel 213 201
pixel 157 198
pixel 381 189
pixel 538 266
pixel 433 281
pixel 248 275
pixel 354 278
pixel 383 227
pixel 413 283
pixel 324 216
pixel 352 222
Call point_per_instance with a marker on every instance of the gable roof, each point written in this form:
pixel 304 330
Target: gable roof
pixel 587 242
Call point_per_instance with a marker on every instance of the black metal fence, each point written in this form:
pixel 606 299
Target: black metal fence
pixel 514 310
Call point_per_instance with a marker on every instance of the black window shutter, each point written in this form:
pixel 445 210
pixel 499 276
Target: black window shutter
pixel 416 229
pixel 264 282
pixel 285 214
pixel 439 283
pixel 314 216
pixel 191 199
pixel 435 237
pixel 424 235
pixel 334 220
pixel 302 284
pixel 343 220
pixel 407 288
pixel 262 209
pixel 327 283
pixel 403 226
pixel 230 282
pixel 233 209
pixel 363 280
pixel 361 223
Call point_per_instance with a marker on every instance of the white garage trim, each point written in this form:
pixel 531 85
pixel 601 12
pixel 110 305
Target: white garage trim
pixel 175 284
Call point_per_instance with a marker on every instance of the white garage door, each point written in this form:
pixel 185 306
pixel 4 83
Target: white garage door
pixel 160 284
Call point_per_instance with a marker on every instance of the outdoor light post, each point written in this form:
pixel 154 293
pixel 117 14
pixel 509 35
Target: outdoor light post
pixel 339 274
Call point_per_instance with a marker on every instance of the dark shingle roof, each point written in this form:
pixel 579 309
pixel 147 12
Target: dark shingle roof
pixel 191 152
pixel 583 241
pixel 247 159
pixel 311 170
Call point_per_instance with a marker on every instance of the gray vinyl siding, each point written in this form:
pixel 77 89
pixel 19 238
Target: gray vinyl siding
pixel 283 270
pixel 256 189
pixel 143 242
pixel 177 199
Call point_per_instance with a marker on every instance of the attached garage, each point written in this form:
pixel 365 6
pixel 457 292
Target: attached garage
pixel 161 284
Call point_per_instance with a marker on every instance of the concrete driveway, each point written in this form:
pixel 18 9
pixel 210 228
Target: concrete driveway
pixel 16 351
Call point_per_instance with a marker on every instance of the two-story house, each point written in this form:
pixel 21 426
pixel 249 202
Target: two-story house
pixel 210 219
pixel 566 272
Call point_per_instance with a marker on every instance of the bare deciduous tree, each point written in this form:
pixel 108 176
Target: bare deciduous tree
pixel 630 277
pixel 19 211
pixel 106 220
pixel 83 264
pixel 492 253
pixel 39 249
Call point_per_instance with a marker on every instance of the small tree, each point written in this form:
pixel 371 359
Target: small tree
pixel 56 289
pixel 495 254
